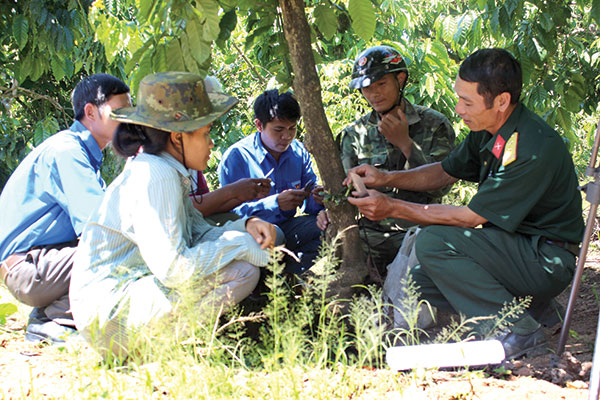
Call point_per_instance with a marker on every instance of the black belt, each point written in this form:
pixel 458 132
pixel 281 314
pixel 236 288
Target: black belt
pixel 570 247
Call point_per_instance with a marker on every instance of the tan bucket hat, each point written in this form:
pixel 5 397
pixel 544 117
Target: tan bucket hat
pixel 175 102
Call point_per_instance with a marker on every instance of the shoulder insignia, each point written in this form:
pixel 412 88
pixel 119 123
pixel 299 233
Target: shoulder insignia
pixel 498 146
pixel 510 150
pixel 362 61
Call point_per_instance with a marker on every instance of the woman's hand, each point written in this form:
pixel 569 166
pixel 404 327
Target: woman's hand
pixel 263 232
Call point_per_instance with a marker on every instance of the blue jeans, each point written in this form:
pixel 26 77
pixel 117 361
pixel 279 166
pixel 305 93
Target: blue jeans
pixel 303 237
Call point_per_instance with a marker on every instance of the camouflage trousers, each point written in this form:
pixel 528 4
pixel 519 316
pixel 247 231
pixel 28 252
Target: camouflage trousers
pixel 381 243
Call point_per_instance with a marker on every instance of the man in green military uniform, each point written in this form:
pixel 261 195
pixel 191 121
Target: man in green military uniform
pixel 519 234
pixel 395 135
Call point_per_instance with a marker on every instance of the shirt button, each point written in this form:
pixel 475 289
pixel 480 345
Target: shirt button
pixel 485 163
pixel 186 181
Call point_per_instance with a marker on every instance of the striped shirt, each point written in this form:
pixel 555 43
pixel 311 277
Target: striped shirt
pixel 147 226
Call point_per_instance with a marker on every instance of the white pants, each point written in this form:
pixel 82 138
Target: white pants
pixel 146 304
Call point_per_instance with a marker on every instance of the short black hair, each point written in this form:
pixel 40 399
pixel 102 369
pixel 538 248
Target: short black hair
pixel 271 104
pixel 97 90
pixel 495 71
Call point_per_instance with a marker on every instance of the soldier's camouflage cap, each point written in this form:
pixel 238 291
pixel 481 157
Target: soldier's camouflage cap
pixel 175 102
pixel 373 63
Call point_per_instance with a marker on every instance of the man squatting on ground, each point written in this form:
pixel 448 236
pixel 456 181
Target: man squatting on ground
pixel 396 135
pixel 273 152
pixel 46 202
pixel 527 205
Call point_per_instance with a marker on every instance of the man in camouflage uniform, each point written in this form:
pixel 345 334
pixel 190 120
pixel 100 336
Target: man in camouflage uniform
pixel 395 135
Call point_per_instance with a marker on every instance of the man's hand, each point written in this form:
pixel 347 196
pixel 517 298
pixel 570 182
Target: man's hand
pixel 318 193
pixel 263 232
pixel 376 206
pixel 248 189
pixel 371 176
pixel 323 220
pixel 394 127
pixel 291 199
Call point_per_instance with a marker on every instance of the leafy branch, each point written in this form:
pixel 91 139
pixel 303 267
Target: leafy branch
pixel 12 93
pixel 250 64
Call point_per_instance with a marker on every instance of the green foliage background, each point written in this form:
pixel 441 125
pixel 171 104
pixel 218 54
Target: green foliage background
pixel 47 46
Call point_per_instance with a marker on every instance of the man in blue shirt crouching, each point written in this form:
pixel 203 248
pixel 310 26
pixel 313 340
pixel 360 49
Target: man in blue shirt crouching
pixel 273 152
pixel 46 202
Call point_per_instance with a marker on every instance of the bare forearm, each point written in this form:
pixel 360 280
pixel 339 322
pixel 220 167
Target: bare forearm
pixel 435 214
pixel 421 179
pixel 218 201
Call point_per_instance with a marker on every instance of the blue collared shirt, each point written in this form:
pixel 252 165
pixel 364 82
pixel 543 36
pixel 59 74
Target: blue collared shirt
pixel 51 194
pixel 248 158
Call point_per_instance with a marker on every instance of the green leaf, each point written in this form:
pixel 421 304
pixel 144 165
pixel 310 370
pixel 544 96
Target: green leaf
pixel 545 21
pixel 226 26
pixel 563 120
pixel 538 97
pixel 144 67
pixel 495 22
pixel 510 6
pixel 174 56
pixel 131 63
pixel 69 68
pixel 325 20
pixel 430 85
pixel 20 29
pixel 575 94
pixel 58 69
pixel 462 29
pixel 44 129
pixel 531 49
pixel 362 13
pixel 26 67
pixel 190 62
pixel 504 20
pixel 578 86
pixel 210 24
pixel 145 8
pixel 6 309
pixel 159 61
pixel 595 11
pixel 68 39
pixel 448 29
pixel 200 49
pixel 50 125
pixel 37 69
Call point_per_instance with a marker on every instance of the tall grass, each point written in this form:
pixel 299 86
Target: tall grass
pixel 304 343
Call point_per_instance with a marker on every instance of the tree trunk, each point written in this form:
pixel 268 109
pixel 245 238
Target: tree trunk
pixel 319 141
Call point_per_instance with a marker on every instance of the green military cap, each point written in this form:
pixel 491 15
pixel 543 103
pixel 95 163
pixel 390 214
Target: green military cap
pixel 175 102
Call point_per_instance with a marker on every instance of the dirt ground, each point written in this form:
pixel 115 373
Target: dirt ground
pixel 29 370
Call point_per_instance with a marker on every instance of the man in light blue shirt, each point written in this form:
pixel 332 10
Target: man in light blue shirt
pixel 46 202
pixel 273 152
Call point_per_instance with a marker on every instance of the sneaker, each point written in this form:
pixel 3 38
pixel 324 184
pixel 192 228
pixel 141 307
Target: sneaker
pixel 516 346
pixel 40 328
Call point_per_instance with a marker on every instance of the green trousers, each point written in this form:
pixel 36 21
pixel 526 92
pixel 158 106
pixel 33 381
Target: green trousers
pixel 381 242
pixel 476 271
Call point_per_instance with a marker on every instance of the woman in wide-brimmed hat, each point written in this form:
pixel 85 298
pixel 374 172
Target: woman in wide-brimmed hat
pixel 146 244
